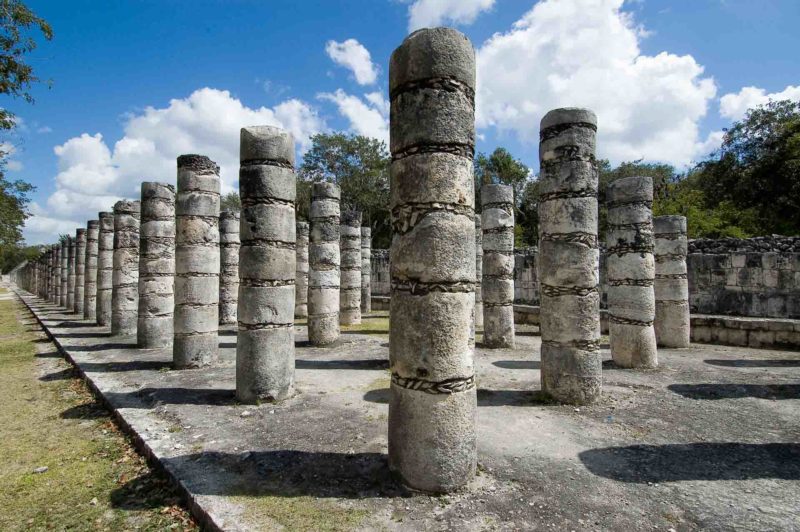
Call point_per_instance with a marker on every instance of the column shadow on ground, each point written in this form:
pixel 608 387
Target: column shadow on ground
pixel 131 365
pixel 695 461
pixel 518 364
pixel 101 347
pixel 485 397
pixel 369 364
pixel 711 391
pixel 150 397
pixel 754 363
pixel 98 334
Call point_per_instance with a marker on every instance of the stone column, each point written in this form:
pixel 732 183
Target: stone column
pixel 57 274
pixel 497 220
pixel 432 405
pixel 631 272
pixel 366 270
pixel 156 267
pixel 50 274
pixel 672 322
pixel 80 266
pixel 350 256
pixel 478 273
pixel 324 257
pixel 229 266
pixel 90 271
pixel 71 263
pixel 265 342
pixel 125 278
pixel 105 267
pixel 64 256
pixel 196 324
pixel 301 273
pixel 569 257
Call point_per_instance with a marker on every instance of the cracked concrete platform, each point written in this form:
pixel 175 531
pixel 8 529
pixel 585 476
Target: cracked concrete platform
pixel 707 441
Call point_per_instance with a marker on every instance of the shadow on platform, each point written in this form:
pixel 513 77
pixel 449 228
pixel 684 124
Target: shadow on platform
pixel 754 363
pixel 518 364
pixel 342 364
pixel 485 397
pixel 736 391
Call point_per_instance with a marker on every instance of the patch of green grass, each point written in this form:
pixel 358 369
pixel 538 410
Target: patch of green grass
pixel 370 325
pixel 300 513
pixel 94 478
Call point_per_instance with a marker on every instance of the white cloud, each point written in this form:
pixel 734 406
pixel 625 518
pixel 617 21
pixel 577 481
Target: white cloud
pixel 92 175
pixel 369 118
pixel 7 149
pixel 351 54
pixel 586 53
pixel 431 13
pixel 44 130
pixel 735 105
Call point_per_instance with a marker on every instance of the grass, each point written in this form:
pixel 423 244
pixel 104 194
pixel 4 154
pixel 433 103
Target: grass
pixel 300 513
pixel 94 478
pixel 375 323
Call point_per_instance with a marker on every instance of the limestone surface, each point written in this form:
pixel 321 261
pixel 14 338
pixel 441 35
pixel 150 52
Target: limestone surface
pixel 671 282
pixel 125 276
pixel 350 282
pixel 324 261
pixel 265 338
pixel 67 272
pixel 301 272
pixel 432 402
pixel 80 269
pixel 228 266
pixel 366 270
pixel 497 222
pixel 90 271
pixel 568 257
pixel 631 272
pixel 478 273
pixel 105 267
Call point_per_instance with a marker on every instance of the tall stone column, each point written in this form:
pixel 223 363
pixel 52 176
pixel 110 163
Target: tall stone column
pixel 324 260
pixel 672 324
pixel 631 272
pixel 366 270
pixel 156 267
pixel 71 273
pixel 478 273
pixel 50 274
pixel 497 220
pixel 57 274
pixel 90 271
pixel 125 278
pixel 105 267
pixel 265 342
pixel 350 256
pixel 64 271
pixel 569 257
pixel 301 273
pixel 196 324
pixel 432 405
pixel 229 266
pixel 80 269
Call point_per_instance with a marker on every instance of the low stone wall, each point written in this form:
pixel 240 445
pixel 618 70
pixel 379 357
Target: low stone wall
pixel 746 332
pixel 380 279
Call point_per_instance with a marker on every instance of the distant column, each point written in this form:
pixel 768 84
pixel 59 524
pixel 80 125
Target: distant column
pixel 90 271
pixel 64 256
pixel 196 322
pixel 265 341
pixel 80 269
pixel 50 273
pixel 672 321
pixel 301 275
pixel 105 267
pixel 71 262
pixel 497 220
pixel 569 257
pixel 631 272
pixel 156 266
pixel 350 281
pixel 432 404
pixel 125 278
pixel 324 257
pixel 366 270
pixel 57 273
pixel 478 273
pixel 229 266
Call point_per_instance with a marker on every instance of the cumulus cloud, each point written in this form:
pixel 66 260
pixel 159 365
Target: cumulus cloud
pixel 586 53
pixel 735 105
pixel 431 13
pixel 92 174
pixel 352 55
pixel 8 150
pixel 368 116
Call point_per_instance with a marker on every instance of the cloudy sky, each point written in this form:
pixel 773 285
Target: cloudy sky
pixel 137 83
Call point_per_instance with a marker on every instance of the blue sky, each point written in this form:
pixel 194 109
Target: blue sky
pixel 137 83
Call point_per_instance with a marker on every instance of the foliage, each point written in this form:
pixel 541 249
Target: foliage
pixel 231 202
pixel 14 200
pixel 360 166
pixel 12 255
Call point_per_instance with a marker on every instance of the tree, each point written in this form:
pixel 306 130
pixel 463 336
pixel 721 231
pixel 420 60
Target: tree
pixel 360 166
pixel 14 200
pixel 231 202
pixel 502 168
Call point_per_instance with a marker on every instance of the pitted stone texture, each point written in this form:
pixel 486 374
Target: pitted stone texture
pixel 53 289
pixel 672 324
pixel 71 262
pixel 125 278
pixel 64 256
pixel 266 305
pixel 478 273
pixel 196 319
pixel 80 269
pixel 156 267
pixel 324 260
pixel 350 249
pixel 228 266
pixel 301 272
pixel 90 270
pixel 105 267
pixel 60 279
pixel 432 407
pixel 631 272
pixel 568 257
pixel 497 222
pixel 366 270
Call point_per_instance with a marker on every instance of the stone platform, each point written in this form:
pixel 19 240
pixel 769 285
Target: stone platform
pixel 707 441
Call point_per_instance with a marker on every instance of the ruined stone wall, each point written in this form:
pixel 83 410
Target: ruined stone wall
pixel 379 273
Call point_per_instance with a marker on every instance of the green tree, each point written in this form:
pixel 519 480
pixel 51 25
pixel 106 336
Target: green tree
pixel 231 202
pixel 500 167
pixel 360 166
pixel 14 200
